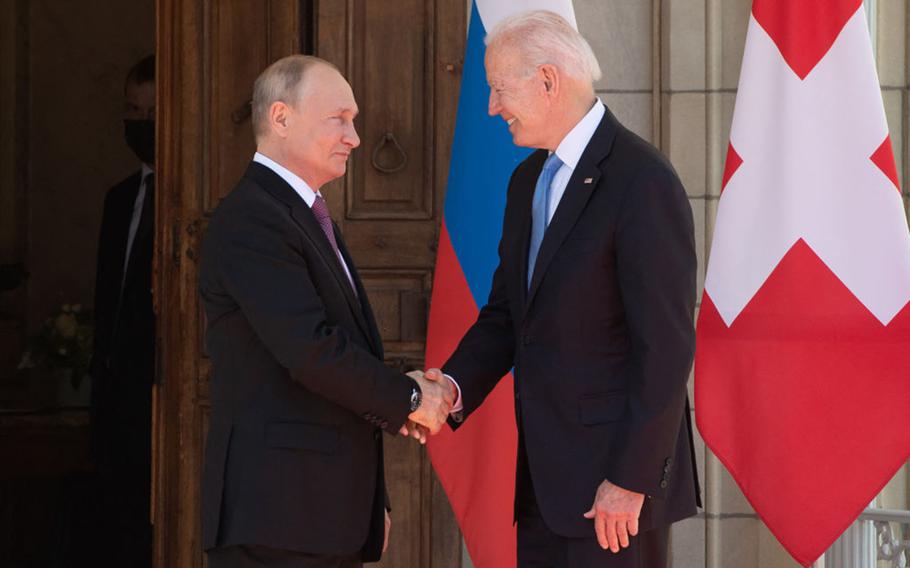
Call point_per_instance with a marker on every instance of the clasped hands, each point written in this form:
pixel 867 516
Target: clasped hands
pixel 615 510
pixel 438 395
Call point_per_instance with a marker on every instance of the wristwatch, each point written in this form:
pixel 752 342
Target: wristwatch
pixel 416 398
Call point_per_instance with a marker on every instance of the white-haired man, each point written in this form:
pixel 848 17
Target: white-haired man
pixel 293 465
pixel 592 306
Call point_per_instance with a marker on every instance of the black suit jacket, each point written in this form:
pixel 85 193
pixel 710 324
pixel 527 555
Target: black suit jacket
pixel 123 359
pixel 603 341
pixel 299 392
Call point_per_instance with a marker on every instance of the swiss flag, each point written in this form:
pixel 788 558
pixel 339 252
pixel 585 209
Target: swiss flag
pixel 802 370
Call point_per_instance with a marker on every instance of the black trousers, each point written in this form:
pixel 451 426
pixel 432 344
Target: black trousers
pixel 264 557
pixel 539 547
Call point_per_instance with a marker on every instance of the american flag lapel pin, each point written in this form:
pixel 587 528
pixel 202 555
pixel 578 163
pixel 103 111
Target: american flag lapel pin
pixel 589 180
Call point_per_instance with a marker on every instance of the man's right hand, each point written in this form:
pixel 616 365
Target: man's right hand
pixel 436 402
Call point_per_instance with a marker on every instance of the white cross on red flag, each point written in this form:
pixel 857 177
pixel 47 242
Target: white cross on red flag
pixel 802 370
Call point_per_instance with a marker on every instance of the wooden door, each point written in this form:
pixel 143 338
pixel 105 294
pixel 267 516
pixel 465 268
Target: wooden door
pixel 403 59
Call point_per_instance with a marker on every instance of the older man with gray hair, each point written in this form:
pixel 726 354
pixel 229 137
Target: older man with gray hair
pixel 592 306
pixel 300 397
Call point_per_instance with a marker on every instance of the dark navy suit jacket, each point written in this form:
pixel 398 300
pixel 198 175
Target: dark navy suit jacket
pixel 299 392
pixel 602 343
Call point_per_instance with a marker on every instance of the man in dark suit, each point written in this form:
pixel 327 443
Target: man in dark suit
pixel 300 396
pixel 123 359
pixel 592 306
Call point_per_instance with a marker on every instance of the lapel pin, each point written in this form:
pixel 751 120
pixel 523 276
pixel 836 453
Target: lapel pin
pixel 589 180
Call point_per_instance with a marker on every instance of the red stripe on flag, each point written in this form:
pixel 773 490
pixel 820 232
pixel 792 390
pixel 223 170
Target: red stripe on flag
pixel 803 30
pixel 883 157
pixel 730 166
pixel 475 465
pixel 798 398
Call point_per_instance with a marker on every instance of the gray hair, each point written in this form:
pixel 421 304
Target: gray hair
pixel 283 81
pixel 543 37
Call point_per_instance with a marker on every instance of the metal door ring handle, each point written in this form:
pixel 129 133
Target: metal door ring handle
pixel 389 139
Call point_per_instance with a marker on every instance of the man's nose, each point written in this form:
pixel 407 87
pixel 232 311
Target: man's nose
pixel 351 138
pixel 493 108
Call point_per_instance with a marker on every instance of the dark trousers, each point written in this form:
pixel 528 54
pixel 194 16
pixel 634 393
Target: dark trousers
pixel 539 547
pixel 264 557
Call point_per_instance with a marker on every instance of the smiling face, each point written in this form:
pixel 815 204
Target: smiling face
pixel 523 98
pixel 316 133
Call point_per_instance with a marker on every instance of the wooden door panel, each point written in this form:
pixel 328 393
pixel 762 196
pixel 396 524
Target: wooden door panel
pixel 399 300
pixel 391 43
pixel 391 243
pixel 236 57
pixel 209 53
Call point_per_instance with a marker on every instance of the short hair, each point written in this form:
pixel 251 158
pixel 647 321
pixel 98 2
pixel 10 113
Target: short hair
pixel 282 81
pixel 142 71
pixel 542 37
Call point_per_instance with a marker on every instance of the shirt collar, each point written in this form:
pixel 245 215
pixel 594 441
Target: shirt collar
pixel 575 142
pixel 300 186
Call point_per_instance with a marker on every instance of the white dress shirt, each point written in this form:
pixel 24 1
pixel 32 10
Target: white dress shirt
pixel 304 191
pixel 569 151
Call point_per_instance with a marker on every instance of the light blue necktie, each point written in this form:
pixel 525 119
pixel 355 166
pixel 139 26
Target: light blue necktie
pixel 539 209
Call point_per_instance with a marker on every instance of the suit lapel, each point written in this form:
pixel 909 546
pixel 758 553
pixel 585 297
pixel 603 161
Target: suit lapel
pixel 367 318
pixel 124 215
pixel 584 181
pixel 144 238
pixel 303 216
pixel 126 269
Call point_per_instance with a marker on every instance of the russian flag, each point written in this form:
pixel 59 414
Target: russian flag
pixel 476 466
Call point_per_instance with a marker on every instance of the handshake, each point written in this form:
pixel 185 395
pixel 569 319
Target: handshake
pixel 438 396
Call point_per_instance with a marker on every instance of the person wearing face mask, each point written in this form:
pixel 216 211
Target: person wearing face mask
pixel 122 366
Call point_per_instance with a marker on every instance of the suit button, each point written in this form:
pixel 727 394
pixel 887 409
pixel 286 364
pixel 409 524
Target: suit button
pixel 663 484
pixel 669 461
pixel 666 469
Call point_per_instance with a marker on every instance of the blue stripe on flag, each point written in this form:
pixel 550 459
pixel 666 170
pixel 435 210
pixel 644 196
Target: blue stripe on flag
pixel 483 158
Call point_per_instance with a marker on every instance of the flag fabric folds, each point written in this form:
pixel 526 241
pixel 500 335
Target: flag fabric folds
pixel 476 465
pixel 803 339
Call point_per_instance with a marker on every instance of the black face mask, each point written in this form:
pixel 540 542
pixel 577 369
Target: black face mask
pixel 140 137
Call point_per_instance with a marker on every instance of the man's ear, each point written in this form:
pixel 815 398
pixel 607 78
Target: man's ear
pixel 278 118
pixel 550 79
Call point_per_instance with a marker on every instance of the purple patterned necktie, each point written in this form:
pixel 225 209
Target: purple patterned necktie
pixel 321 212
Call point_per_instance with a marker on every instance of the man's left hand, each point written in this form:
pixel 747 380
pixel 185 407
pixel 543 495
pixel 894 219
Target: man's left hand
pixel 388 527
pixel 615 513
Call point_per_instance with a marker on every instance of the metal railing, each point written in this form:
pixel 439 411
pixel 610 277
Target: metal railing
pixel 880 538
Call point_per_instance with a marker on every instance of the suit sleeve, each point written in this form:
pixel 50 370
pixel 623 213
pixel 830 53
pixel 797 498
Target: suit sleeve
pixel 486 353
pixel 656 268
pixel 262 269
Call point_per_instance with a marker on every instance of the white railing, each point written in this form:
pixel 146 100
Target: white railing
pixel 879 538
